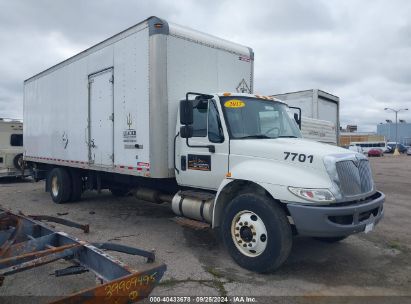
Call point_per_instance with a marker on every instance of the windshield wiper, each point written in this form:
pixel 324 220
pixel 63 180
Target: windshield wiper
pixel 286 136
pixel 255 136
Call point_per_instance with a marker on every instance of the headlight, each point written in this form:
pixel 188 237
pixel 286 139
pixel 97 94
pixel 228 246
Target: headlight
pixel 314 195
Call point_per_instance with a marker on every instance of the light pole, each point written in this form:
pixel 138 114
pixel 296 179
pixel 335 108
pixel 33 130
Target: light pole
pixel 396 126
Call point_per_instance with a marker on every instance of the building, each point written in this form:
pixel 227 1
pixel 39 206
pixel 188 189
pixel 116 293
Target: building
pixel 388 131
pixel 346 138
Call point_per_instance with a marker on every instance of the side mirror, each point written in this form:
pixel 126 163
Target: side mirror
pixel 297 117
pixel 297 120
pixel 186 112
pixel 186 131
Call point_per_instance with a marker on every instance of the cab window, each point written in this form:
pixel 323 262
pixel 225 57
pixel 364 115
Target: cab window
pixel 269 120
pixel 200 108
pixel 215 131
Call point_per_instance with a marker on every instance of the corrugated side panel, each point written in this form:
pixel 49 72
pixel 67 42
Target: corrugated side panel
pixel 318 130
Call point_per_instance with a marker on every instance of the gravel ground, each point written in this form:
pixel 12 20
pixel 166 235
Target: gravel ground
pixel 375 264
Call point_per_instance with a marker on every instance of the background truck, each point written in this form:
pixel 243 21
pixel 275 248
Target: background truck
pixel 11 148
pixel 317 107
pixel 319 130
pixel 124 115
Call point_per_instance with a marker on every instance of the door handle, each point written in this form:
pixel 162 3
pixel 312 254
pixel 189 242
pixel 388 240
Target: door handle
pixel 183 164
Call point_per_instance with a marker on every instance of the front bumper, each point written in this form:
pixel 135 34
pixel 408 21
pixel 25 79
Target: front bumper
pixel 339 220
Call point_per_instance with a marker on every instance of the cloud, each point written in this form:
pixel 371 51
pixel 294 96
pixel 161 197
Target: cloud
pixel 357 50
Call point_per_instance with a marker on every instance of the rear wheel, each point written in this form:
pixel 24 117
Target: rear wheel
pixel 60 185
pixel 256 232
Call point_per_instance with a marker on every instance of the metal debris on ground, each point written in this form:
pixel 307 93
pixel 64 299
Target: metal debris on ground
pixel 25 243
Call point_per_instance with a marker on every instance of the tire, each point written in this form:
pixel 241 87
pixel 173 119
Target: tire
pixel 267 249
pixel 18 161
pixel 119 192
pixel 331 240
pixel 60 185
pixel 77 186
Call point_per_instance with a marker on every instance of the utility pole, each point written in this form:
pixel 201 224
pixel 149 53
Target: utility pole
pixel 396 111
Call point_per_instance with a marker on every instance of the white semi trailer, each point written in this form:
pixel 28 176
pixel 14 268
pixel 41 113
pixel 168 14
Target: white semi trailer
pixel 122 116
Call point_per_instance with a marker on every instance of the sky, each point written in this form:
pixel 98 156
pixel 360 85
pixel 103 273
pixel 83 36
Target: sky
pixel 357 50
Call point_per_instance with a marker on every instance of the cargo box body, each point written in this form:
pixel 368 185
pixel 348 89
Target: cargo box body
pixel 113 107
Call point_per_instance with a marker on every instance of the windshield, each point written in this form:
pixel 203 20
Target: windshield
pixel 257 118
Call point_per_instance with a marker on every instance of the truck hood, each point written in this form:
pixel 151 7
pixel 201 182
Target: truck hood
pixel 284 162
pixel 275 149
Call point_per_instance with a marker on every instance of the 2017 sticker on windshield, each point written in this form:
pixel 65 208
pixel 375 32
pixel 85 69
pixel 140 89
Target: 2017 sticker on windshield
pixel 234 103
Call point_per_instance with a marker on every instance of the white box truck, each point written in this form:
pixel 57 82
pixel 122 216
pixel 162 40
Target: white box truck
pixel 122 116
pixel 316 105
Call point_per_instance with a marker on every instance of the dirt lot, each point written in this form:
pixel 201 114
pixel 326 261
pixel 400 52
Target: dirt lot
pixel 374 264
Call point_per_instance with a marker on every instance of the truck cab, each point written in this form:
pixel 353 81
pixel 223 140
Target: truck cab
pixel 269 183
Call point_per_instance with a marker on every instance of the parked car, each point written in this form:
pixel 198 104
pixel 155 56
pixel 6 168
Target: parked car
pixel 409 151
pixel 401 147
pixel 375 152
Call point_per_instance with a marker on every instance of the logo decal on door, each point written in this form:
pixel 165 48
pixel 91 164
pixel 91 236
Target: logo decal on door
pixel 129 135
pixel 199 162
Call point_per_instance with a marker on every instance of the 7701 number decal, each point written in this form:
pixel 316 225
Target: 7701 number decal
pixel 301 157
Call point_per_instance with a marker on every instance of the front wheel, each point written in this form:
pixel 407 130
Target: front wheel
pixel 256 232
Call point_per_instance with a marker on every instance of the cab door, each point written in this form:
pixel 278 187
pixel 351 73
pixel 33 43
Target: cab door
pixel 203 162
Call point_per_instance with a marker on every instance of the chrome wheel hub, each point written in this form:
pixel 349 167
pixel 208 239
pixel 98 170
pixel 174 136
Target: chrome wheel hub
pixel 249 233
pixel 54 186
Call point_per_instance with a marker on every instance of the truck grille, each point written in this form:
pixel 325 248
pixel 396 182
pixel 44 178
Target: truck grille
pixel 355 177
